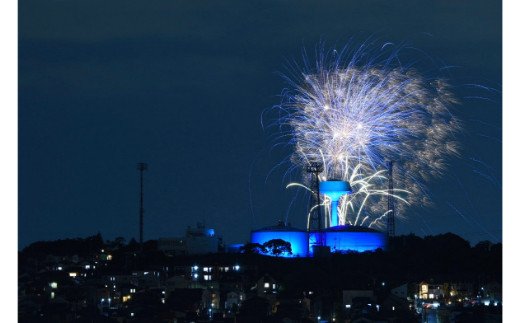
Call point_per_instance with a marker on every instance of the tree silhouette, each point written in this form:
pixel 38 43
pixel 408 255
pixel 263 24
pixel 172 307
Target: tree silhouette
pixel 277 247
pixel 252 249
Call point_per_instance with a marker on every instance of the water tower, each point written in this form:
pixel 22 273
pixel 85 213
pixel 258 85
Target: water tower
pixel 335 190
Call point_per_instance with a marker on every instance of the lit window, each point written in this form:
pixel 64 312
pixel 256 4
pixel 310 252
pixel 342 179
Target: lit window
pixel 274 286
pixel 132 290
pixel 431 296
pixel 266 285
pixel 73 274
pixel 207 277
pixel 59 268
pixel 54 285
pixel 236 268
pixel 195 268
pixel 205 269
pixel 87 266
pixel 195 276
pixel 52 295
pixel 347 306
pixel 109 257
pixel 226 269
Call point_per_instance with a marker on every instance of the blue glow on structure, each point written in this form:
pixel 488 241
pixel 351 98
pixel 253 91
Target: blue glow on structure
pixel 335 190
pixel 346 238
pixel 314 240
pixel 298 239
pixel 340 239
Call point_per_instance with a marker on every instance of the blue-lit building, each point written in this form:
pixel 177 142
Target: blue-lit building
pixel 347 238
pixel 334 239
pixel 299 239
pixel 338 239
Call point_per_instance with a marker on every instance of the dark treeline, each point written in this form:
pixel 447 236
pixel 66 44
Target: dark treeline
pixel 441 258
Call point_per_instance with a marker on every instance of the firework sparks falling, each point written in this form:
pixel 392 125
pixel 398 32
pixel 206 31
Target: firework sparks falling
pixel 355 109
pixel 351 208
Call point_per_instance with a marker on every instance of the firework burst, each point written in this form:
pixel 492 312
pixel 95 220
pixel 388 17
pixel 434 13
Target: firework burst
pixel 353 110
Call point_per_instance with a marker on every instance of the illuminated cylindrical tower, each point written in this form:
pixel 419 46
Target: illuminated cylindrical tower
pixel 334 190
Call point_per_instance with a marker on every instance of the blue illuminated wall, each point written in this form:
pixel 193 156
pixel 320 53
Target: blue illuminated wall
pixel 298 240
pixel 343 241
pixel 314 240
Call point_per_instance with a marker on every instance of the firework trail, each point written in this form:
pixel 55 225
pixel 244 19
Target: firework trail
pixel 366 187
pixel 353 110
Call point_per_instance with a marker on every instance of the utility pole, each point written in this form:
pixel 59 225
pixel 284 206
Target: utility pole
pixel 141 167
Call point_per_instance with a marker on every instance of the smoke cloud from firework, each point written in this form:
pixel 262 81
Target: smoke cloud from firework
pixel 355 109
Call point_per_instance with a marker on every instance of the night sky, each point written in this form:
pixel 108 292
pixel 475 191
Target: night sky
pixel 182 86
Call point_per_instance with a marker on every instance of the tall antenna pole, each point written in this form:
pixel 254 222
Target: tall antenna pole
pixel 141 167
pixel 390 227
pixel 315 169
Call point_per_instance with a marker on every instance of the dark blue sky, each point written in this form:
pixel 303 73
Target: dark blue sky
pixel 182 85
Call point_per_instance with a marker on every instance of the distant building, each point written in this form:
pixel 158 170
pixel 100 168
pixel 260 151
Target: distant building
pixel 234 299
pixel 431 291
pixel 350 296
pixel 198 241
pixel 400 291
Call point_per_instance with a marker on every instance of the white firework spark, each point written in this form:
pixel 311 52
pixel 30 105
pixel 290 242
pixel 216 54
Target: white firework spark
pixel 355 110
